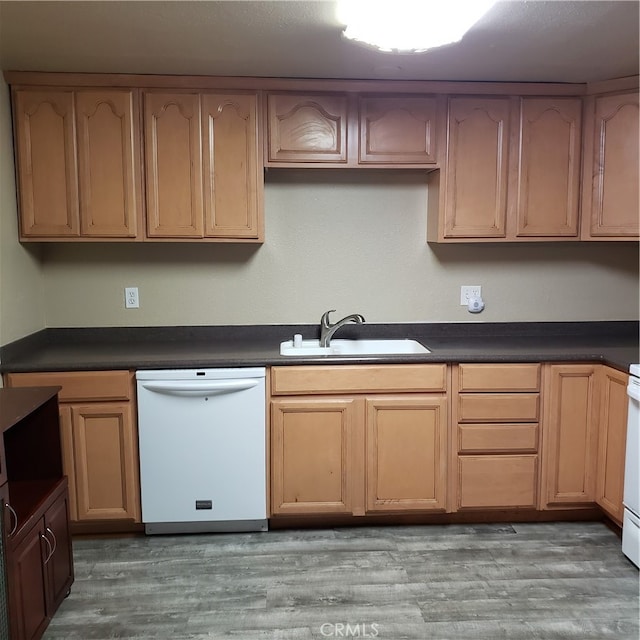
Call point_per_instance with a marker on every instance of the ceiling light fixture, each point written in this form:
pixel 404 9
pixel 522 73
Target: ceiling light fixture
pixel 409 26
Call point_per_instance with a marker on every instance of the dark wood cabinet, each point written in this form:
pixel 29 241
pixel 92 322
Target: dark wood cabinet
pixel 27 575
pixel 34 510
pixel 60 563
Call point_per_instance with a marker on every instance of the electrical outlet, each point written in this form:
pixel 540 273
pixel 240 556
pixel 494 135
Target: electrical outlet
pixel 469 291
pixel 131 300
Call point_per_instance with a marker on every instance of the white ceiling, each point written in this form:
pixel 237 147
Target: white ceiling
pixel 557 41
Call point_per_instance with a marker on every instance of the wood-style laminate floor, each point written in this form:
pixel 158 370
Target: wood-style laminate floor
pixel 467 582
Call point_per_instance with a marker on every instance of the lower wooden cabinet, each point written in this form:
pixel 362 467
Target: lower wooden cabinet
pixel 614 404
pixel 406 447
pixel 105 461
pixel 570 433
pixel 358 453
pixel 502 481
pixel 313 457
pixel 99 441
pixel 495 462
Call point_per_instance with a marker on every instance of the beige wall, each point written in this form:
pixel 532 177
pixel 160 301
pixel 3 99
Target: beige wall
pixel 343 240
pixel 21 282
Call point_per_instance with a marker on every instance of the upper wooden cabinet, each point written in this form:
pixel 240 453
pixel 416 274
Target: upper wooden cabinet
pixel 108 163
pixel 548 168
pixel 307 128
pixel 233 174
pixel 476 171
pixel 397 130
pixel 160 159
pixel 351 130
pixel 173 165
pixel 610 181
pixel 203 177
pixel 46 163
pixel 511 173
pixel 78 163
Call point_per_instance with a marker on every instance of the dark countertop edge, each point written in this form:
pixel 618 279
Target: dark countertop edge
pixel 256 345
pixel 620 363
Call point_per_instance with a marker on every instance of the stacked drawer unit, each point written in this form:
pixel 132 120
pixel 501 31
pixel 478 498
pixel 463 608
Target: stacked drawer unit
pixel 496 411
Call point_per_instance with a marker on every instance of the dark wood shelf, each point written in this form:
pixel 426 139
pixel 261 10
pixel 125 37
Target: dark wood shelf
pixel 16 404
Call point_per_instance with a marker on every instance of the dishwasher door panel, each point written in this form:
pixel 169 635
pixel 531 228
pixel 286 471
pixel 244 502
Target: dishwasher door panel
pixel 202 456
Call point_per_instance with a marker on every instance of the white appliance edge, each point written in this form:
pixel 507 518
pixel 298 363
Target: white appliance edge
pixel 631 519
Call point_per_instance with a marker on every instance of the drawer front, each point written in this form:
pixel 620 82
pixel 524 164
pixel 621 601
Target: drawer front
pixel 496 407
pixel 80 385
pixel 497 481
pixel 358 379
pixel 516 437
pixel 499 377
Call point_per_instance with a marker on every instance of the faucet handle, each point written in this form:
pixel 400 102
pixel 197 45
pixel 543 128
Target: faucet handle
pixel 324 320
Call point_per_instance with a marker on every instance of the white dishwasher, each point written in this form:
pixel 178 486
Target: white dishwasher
pixel 202 450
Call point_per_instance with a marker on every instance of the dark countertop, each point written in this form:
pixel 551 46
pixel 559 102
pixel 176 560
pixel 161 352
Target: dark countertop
pixel 68 349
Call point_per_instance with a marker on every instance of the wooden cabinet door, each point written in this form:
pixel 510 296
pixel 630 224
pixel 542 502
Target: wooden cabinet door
pixel 548 178
pixel 476 169
pixel 60 564
pixel 108 162
pixel 569 435
pixel 233 176
pixel 612 185
pixel 406 453
pixel 307 128
pixel 46 163
pixel 105 452
pixel 173 165
pixel 612 442
pixel 27 580
pixel 397 130
pixel 313 455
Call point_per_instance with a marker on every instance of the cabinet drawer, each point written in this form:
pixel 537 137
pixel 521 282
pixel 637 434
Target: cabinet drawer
pixel 499 377
pixel 474 438
pixel 79 385
pixel 496 407
pixel 497 481
pixel 358 379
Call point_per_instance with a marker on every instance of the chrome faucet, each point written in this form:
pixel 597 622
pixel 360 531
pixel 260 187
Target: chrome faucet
pixel 327 329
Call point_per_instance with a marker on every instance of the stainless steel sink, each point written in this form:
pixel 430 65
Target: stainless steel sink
pixel 353 348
